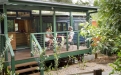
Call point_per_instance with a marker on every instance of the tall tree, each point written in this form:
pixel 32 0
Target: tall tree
pixel 96 2
pixel 108 30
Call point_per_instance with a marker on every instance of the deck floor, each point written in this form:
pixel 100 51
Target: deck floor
pixel 25 53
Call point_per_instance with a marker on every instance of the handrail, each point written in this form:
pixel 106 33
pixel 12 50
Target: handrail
pixel 12 54
pixel 56 32
pixel 77 40
pixel 33 38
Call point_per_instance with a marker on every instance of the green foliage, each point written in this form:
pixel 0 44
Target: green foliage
pixel 96 2
pixel 2 56
pixel 108 30
pixel 10 25
pixel 42 57
pixel 83 64
pixel 2 15
pixel 1 62
pixel 116 65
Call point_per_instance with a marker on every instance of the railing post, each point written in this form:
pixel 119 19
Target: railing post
pixel 12 65
pixel 78 41
pixel 88 42
pixel 67 41
pixel 41 68
pixel 54 29
pixel 40 15
pixel 31 44
pixel 44 41
pixel 71 19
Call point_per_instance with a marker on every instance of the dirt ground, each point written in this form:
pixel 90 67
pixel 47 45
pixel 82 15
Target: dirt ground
pixel 102 62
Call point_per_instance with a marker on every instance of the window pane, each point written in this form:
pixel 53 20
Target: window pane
pixel 64 27
pixel 24 14
pixel 10 25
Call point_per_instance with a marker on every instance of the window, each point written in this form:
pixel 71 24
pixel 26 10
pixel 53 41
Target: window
pixel 23 14
pixel 10 25
pixel 16 27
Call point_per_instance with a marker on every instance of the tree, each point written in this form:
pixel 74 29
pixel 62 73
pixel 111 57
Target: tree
pixel 96 2
pixel 108 30
pixel 80 2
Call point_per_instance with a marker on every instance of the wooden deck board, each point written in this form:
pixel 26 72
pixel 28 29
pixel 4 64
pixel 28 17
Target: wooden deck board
pixel 24 54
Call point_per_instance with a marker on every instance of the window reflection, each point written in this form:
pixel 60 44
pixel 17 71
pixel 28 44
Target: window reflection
pixel 10 25
pixel 24 14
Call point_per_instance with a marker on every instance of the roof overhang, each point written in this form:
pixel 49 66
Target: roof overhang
pixel 40 5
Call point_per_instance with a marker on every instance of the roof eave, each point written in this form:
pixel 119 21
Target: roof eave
pixel 52 4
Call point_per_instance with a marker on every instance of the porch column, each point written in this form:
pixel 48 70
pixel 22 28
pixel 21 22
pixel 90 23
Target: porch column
pixel 40 15
pixel 5 20
pixel 87 16
pixel 5 28
pixel 54 26
pixel 0 28
pixel 71 19
pixel 6 33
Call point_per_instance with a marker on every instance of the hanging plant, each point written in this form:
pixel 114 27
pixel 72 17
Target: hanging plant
pixel 2 15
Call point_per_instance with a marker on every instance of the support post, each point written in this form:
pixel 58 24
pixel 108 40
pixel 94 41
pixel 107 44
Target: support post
pixel 78 41
pixel 67 47
pixel 87 16
pixel 41 68
pixel 5 19
pixel 5 32
pixel 40 15
pixel 31 44
pixel 71 19
pixel 54 27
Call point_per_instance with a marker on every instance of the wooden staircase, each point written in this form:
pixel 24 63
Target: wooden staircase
pixel 29 68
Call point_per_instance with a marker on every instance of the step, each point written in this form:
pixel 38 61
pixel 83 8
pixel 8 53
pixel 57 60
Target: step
pixel 24 64
pixel 35 73
pixel 26 70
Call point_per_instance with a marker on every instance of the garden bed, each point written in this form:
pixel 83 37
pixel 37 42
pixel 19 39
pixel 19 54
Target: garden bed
pixel 100 63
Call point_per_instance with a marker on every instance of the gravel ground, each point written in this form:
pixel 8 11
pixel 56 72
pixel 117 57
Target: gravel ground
pixel 100 63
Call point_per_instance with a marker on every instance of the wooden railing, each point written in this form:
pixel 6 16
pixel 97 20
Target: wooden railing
pixel 40 37
pixel 9 47
pixel 34 43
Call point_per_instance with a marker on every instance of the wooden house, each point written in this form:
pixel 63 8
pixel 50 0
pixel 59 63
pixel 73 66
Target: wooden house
pixel 25 27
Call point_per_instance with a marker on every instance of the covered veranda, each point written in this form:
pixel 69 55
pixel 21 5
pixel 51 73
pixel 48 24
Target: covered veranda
pixel 38 5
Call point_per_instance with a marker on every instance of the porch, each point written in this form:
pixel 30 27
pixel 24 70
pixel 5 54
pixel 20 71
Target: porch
pixel 23 22
pixel 26 53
